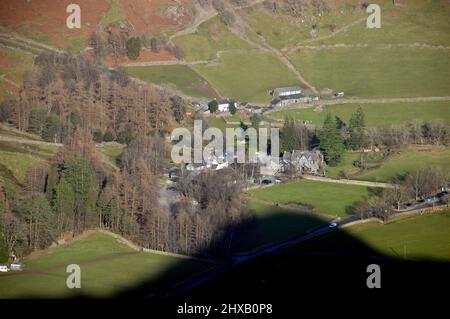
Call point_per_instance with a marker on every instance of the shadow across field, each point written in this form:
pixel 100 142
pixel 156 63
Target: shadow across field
pixel 306 271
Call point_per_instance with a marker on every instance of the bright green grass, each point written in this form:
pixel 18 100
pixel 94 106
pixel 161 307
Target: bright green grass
pixel 18 163
pixel 327 198
pixel 247 76
pixel 375 114
pixel 112 150
pixel 377 73
pixel 211 37
pixel 107 267
pixel 19 158
pixel 415 237
pixel 274 224
pixel 345 165
pixel 282 31
pixel 181 77
pixel 408 160
pixel 414 21
pixel 114 14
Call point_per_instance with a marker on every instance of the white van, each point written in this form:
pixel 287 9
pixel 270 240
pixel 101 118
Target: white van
pixel 4 268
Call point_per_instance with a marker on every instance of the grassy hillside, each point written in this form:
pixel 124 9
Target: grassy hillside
pixel 107 267
pixel 417 237
pixel 283 31
pixel 180 77
pixel 13 65
pixel 375 114
pixel 212 36
pixel 410 159
pixel 421 21
pixel 326 198
pixel 413 158
pixel 252 83
pixel 377 72
pixel 18 158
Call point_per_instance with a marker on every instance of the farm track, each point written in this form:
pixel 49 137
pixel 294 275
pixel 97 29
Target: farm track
pixel 348 181
pixel 205 15
pixel 360 101
pixel 239 30
pixel 15 41
pixel 376 46
pixel 326 37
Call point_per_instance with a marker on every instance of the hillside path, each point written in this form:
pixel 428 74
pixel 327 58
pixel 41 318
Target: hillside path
pixel 360 101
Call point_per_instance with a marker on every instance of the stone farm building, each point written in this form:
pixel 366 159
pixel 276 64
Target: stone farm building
pixel 287 95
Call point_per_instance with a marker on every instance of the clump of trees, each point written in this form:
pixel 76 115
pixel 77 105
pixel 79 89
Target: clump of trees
pixel 213 106
pixel 413 186
pixel 209 219
pixel 434 132
pixel 295 136
pixel 62 91
pixel 134 46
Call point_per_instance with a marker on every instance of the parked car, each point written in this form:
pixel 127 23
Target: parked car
pixel 339 94
pixel 266 181
pixel 442 194
pixel 16 266
pixel 4 268
pixel 431 199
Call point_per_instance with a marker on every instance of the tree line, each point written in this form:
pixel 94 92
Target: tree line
pixel 335 136
pixel 62 91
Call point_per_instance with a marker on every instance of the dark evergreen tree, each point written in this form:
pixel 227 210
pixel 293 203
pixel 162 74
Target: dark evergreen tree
pixel 356 130
pixel 331 141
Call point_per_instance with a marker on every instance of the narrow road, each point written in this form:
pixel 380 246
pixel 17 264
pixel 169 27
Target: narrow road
pixel 237 260
pixel 209 275
pixel 348 181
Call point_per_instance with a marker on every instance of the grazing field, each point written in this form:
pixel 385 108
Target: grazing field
pixel 408 22
pixel 417 237
pixel 262 73
pixel 410 159
pixel 180 77
pixel 345 166
pixel 19 158
pixel 107 267
pixel 212 37
pixel 375 114
pixel 377 72
pixel 326 198
pixel 274 224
